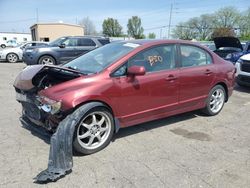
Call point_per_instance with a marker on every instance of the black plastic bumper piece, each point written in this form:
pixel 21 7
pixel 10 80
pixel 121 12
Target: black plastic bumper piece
pixel 60 156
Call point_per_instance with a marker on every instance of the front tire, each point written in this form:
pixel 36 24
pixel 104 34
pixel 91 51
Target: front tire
pixel 215 100
pixel 12 58
pixel 46 60
pixel 3 46
pixel 94 132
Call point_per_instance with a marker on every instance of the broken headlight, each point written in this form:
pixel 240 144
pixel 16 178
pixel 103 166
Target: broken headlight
pixel 48 105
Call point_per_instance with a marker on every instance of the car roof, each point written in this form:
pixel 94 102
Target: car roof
pixel 86 36
pixel 158 41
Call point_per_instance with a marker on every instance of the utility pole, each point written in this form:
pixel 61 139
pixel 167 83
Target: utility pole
pixel 37 18
pixel 170 19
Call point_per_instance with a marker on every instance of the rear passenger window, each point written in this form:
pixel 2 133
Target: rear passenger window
pixel 155 59
pixel 194 56
pixel 104 41
pixel 86 42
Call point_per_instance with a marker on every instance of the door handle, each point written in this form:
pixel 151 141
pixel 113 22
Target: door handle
pixel 208 72
pixel 171 77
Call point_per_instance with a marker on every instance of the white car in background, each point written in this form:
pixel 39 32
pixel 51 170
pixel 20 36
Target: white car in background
pixel 9 43
pixel 12 55
pixel 243 70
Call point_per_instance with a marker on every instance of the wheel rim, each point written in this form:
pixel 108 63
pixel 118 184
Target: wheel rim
pixel 217 100
pixel 94 130
pixel 47 61
pixel 12 58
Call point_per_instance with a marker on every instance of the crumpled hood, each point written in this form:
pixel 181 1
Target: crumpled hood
pixel 23 80
pixel 227 42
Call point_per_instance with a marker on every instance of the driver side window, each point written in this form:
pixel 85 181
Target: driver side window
pixel 70 42
pixel 155 59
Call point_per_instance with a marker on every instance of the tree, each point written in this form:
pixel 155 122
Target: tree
pixel 111 28
pixel 223 32
pixel 202 26
pixel 135 29
pixel 224 22
pixel 151 35
pixel 244 25
pixel 184 31
pixel 89 27
pixel 227 17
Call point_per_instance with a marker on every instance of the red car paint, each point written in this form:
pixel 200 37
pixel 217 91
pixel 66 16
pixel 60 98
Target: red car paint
pixel 137 99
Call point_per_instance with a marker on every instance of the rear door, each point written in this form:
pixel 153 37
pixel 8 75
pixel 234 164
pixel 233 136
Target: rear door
pixel 153 94
pixel 196 75
pixel 84 45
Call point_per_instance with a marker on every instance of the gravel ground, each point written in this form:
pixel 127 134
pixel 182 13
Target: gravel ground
pixel 188 150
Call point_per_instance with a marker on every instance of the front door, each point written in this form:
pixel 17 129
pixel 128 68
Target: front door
pixel 68 52
pixel 149 96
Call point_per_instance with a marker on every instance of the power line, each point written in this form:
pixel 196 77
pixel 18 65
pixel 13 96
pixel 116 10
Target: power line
pixel 16 21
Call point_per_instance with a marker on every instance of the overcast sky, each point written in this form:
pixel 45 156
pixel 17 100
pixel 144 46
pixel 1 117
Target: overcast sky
pixel 19 15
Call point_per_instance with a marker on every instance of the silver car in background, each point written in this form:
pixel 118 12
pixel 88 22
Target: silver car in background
pixel 12 55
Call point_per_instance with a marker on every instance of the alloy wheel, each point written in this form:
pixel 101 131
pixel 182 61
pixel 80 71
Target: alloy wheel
pixel 94 130
pixel 12 58
pixel 47 61
pixel 217 100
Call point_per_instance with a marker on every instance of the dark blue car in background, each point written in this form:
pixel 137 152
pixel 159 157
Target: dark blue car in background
pixel 63 49
pixel 230 48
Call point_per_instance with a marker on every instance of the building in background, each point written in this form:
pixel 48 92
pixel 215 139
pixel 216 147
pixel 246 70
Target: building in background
pixel 50 31
pixel 18 37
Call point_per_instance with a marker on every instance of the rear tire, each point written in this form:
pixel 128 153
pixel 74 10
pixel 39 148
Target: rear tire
pixel 94 132
pixel 46 60
pixel 3 46
pixel 215 101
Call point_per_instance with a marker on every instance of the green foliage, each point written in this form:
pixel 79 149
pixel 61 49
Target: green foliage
pixel 223 32
pixel 111 28
pixel 151 36
pixel 135 29
pixel 221 23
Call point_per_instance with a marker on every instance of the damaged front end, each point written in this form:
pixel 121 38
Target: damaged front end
pixel 36 108
pixel 46 112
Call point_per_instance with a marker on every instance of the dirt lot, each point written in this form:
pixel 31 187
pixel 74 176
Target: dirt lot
pixel 189 150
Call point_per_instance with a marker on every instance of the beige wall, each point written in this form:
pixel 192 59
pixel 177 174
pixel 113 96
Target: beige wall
pixel 54 31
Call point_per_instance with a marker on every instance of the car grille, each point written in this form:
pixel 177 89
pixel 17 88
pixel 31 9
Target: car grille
pixel 245 66
pixel 243 78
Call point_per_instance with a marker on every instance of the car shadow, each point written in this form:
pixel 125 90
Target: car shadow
pixel 156 124
pixel 242 89
pixel 44 135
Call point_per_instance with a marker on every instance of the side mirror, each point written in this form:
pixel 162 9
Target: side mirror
pixel 62 45
pixel 136 70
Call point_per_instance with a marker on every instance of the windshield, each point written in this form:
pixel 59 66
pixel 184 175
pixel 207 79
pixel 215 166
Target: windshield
pixel 98 59
pixel 57 42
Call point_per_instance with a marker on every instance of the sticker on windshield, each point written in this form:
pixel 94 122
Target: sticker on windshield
pixel 132 45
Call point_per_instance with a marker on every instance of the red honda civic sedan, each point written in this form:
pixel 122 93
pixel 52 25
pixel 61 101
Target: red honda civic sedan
pixel 123 84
